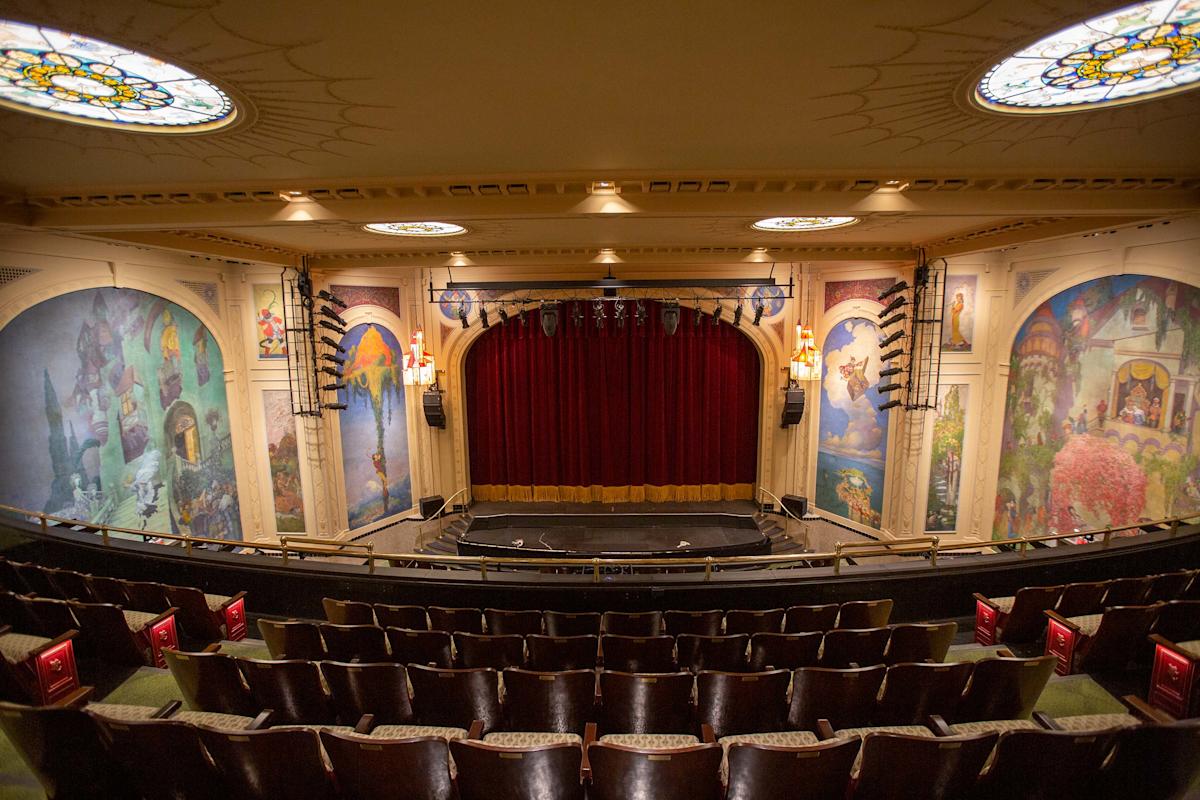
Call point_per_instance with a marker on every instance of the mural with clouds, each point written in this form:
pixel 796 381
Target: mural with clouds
pixel 374 426
pixel 115 413
pixel 852 433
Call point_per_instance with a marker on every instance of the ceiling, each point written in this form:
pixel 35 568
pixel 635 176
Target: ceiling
pixel 501 115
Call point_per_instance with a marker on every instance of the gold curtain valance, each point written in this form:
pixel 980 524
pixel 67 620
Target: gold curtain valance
pixel 1141 370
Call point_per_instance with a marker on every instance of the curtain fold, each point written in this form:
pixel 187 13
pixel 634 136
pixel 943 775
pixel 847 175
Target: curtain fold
pixel 612 413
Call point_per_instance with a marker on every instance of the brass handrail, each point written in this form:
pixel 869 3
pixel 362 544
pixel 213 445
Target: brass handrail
pixel 788 515
pixel 709 564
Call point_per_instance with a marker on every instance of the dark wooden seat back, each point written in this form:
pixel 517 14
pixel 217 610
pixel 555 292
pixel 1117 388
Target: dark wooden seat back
pixel 865 614
pixel 211 682
pixel 764 772
pixel 497 652
pixel 365 643
pixel 347 612
pixel 646 703
pixel 1121 635
pixel 722 653
pixel 911 692
pixel 562 702
pixel 1167 585
pixel 420 647
pixel 64 749
pixel 845 697
pixel 144 748
pixel 411 618
pixel 17 614
pixel 754 621
pixel 37 580
pixel 380 689
pixel 895 766
pixel 197 618
pixel 1126 591
pixel 624 623
pixel 292 689
pixel 807 619
pixel 564 623
pixel 109 590
pixel 455 697
pixel 1078 599
pixel 1159 761
pixel 11 580
pixel 1045 765
pixel 455 620
pixel 270 764
pixel 1026 621
pixel 733 703
pixel 502 623
pixel 103 626
pixel 626 773
pixel 69 584
pixel 783 650
pixel 556 653
pixel 148 596
pixel 862 646
pixel 911 642
pixel 292 639
pixel 700 623
pixel 638 653
pixel 548 772
pixel 373 769
pixel 53 617
pixel 1178 621
pixel 1005 688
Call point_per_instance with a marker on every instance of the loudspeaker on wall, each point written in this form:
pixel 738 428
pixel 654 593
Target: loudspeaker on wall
pixel 431 402
pixel 793 407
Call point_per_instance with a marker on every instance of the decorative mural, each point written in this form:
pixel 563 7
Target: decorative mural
pixel 958 322
pixel 868 289
pixel 374 426
pixel 946 459
pixel 383 296
pixel 852 433
pixel 115 413
pixel 1100 424
pixel 269 319
pixel 283 454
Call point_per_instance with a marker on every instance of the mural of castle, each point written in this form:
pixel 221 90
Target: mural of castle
pixel 946 459
pixel 852 433
pixel 1100 424
pixel 374 426
pixel 115 412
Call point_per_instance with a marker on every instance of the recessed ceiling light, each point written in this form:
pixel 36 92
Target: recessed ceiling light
pixel 800 224
pixel 416 228
pixel 1135 53
pixel 605 187
pixel 74 78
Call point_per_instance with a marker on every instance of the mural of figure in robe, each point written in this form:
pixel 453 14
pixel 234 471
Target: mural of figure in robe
pixel 1101 424
pixel 374 426
pixel 946 459
pixel 126 361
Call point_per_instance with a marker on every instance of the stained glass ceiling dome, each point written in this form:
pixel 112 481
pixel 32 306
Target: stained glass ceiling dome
pixel 74 78
pixel 416 228
pixel 800 224
pixel 1135 53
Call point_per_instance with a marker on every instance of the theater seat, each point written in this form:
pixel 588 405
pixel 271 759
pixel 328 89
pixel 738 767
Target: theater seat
pixel 35 669
pixel 918 766
pixel 165 758
pixel 133 638
pixel 1014 619
pixel 209 617
pixel 771 771
pixel 620 772
pixel 1107 641
pixel 518 772
pixel 559 653
pixel 1044 765
pixel 1175 678
pixel 407 617
pixel 270 764
pixel 431 648
pixel 210 682
pixel 373 769
pixel 646 703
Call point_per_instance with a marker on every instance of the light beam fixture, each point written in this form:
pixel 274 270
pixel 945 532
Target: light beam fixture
pixel 639 313
pixel 891 354
pixel 549 315
pixel 462 316
pixel 483 316
pixel 896 335
pixel 887 323
pixel 333 344
pixel 716 315
pixel 670 318
pixel 898 286
pixel 897 302
pixel 737 314
pixel 889 404
pixel 759 309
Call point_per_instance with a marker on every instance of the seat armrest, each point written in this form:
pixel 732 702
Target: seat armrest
pixel 589 736
pixel 76 698
pixel 1046 721
pixel 1004 652
pixel 707 736
pixel 215 647
pixel 476 731
pixel 233 599
pixel 987 601
pixel 5 629
pixel 160 617
pixel 939 726
pixel 824 729
pixel 365 723
pixel 167 710
pixel 1145 711
pixel 1061 620
pixel 1163 641
pixel 263 720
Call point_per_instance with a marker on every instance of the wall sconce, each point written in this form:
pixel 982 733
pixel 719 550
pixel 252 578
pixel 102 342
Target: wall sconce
pixel 806 358
pixel 418 364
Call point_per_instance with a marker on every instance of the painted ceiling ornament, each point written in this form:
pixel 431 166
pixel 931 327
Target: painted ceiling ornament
pixel 74 78
pixel 800 224
pixel 416 228
pixel 1132 54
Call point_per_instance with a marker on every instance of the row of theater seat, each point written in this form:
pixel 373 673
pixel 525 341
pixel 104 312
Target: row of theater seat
pixel 739 652
pixel 121 753
pixel 642 703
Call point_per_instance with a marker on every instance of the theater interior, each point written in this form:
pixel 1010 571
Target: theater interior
pixel 529 400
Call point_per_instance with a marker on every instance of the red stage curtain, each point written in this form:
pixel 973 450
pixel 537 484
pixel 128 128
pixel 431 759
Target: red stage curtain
pixel 612 414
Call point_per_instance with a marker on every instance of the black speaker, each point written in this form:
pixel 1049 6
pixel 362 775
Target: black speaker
pixel 430 505
pixel 431 402
pixel 793 407
pixel 795 505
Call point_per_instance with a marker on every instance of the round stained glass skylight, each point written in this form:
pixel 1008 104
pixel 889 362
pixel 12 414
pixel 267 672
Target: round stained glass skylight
pixel 1136 53
pixel 73 78
pixel 800 224
pixel 416 228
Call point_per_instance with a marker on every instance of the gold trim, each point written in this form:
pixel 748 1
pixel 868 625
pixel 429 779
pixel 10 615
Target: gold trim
pixel 640 493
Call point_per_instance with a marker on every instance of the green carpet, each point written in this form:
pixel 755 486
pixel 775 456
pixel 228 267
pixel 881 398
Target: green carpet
pixel 1073 695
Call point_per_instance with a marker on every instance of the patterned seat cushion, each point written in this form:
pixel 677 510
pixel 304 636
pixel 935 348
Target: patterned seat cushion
pixel 1097 722
pixel 225 722
pixel 1191 648
pixel 413 731
pixel 531 738
pixel 119 711
pixel 16 647
pixel 215 602
pixel 773 738
pixel 136 620
pixel 993 726
pixel 1088 624
pixel 651 741
pixel 1003 604
pixel 907 730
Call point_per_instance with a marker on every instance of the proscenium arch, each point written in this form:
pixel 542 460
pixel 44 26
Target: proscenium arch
pixel 460 341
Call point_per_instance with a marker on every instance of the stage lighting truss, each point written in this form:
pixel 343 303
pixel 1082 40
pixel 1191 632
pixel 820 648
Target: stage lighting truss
pixel 312 360
pixel 913 363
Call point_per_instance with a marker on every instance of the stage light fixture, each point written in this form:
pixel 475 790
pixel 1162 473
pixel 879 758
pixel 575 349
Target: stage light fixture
pixel 896 303
pixel 333 344
pixel 888 387
pixel 329 326
pixel 899 286
pixel 483 317
pixel 670 318
pixel 887 323
pixel 577 314
pixel 892 338
pixel 332 372
pixel 639 313
pixel 759 309
pixel 549 315
pixel 521 316
pixel 619 312
pixel 334 406
pixel 503 315
pixel 889 404
pixel 334 359
pixel 333 298
pixel 326 311
pixel 888 356
pixel 716 315
pixel 598 313
pixel 890 371
pixel 697 315
pixel 462 316
pixel 737 314
pixel 333 387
